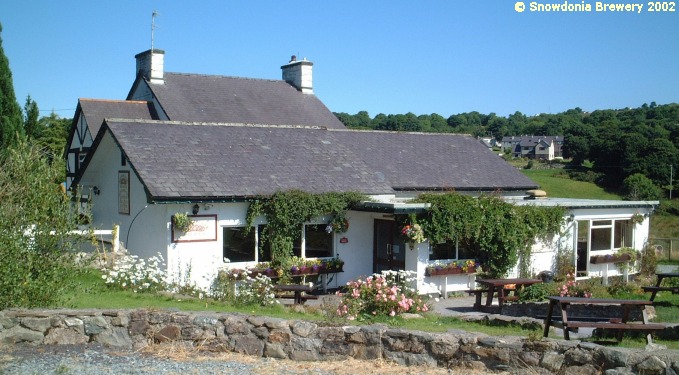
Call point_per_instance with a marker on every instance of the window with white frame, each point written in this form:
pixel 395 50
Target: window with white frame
pixel 451 249
pixel 611 234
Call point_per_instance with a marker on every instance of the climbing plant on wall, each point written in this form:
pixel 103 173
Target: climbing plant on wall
pixel 286 212
pixel 500 233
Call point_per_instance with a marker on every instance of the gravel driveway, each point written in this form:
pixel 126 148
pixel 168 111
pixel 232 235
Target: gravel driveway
pixel 97 360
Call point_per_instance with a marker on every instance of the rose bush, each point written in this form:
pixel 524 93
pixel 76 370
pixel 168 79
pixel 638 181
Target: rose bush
pixel 384 294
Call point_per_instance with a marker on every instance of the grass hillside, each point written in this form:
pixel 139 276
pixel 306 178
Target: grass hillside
pixel 558 185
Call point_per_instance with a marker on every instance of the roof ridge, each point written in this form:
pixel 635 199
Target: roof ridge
pixel 233 124
pixel 113 101
pixel 398 132
pixel 224 76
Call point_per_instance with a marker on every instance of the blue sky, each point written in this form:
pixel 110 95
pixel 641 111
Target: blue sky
pixel 426 56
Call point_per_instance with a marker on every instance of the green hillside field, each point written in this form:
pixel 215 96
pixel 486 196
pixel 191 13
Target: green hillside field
pixel 558 185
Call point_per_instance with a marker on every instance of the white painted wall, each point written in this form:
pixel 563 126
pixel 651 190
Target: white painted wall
pixel 143 92
pixel 544 253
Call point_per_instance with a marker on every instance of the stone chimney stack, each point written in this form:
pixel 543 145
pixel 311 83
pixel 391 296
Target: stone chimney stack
pixel 298 74
pixel 150 64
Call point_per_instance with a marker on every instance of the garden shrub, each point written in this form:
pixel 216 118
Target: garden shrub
pixel 649 261
pixel 385 294
pixel 617 288
pixel 37 241
pixel 538 292
pixel 255 291
pixel 573 288
pixel 236 286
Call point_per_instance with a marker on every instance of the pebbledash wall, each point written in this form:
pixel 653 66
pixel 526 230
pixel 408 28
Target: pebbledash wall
pixel 310 341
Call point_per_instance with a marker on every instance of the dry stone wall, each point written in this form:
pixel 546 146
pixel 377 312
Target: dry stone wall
pixel 313 341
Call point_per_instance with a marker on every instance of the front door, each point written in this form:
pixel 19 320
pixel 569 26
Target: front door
pixel 388 247
pixel 582 252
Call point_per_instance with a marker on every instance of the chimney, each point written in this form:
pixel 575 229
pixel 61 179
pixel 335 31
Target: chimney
pixel 298 74
pixel 150 65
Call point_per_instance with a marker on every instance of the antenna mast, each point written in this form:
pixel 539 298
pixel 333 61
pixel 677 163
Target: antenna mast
pixel 153 26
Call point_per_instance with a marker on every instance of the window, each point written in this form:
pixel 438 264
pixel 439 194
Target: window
pixel 451 249
pixel 317 242
pixel 602 235
pixel 238 245
pixel 611 234
pixel 81 158
pixel 623 234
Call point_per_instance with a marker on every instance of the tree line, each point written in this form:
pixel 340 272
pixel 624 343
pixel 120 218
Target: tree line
pixel 617 142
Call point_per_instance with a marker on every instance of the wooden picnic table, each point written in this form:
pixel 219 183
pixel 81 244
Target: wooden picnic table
pixel 657 288
pixel 297 289
pixel 621 324
pixel 499 286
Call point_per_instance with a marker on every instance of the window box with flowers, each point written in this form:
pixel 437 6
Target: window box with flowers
pixel 299 267
pixel 610 258
pixel 468 266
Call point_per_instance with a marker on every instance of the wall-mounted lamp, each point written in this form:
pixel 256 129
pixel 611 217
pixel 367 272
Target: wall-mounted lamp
pixel 96 190
pixel 195 210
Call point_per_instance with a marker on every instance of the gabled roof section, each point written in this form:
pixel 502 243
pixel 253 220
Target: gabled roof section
pixel 199 161
pixel 431 161
pixel 96 110
pixel 221 99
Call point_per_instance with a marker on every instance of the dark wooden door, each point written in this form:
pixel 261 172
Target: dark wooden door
pixel 388 248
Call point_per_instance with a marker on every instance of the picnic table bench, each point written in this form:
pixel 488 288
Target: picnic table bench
pixel 657 288
pixel 620 324
pixel 501 287
pixel 300 292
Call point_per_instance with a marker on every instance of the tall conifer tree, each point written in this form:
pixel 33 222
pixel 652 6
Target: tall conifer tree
pixel 11 121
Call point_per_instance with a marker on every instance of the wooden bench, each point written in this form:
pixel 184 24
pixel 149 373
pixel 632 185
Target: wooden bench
pixel 300 293
pixel 509 298
pixel 613 324
pixel 620 324
pixel 477 293
pixel 655 289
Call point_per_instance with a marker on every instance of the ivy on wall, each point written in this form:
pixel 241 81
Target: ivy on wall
pixel 286 212
pixel 500 233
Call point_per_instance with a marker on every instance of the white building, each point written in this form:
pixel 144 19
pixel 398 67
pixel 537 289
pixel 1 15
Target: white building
pixel 208 145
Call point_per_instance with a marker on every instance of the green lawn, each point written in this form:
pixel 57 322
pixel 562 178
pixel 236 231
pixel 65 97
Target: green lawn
pixel 558 185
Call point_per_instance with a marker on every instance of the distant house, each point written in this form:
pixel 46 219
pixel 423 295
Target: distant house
pixel 207 145
pixel 533 147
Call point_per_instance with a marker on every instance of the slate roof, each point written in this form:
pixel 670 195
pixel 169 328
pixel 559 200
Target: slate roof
pixel 96 110
pixel 184 161
pixel 222 99
pixel 211 161
pixel 431 161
